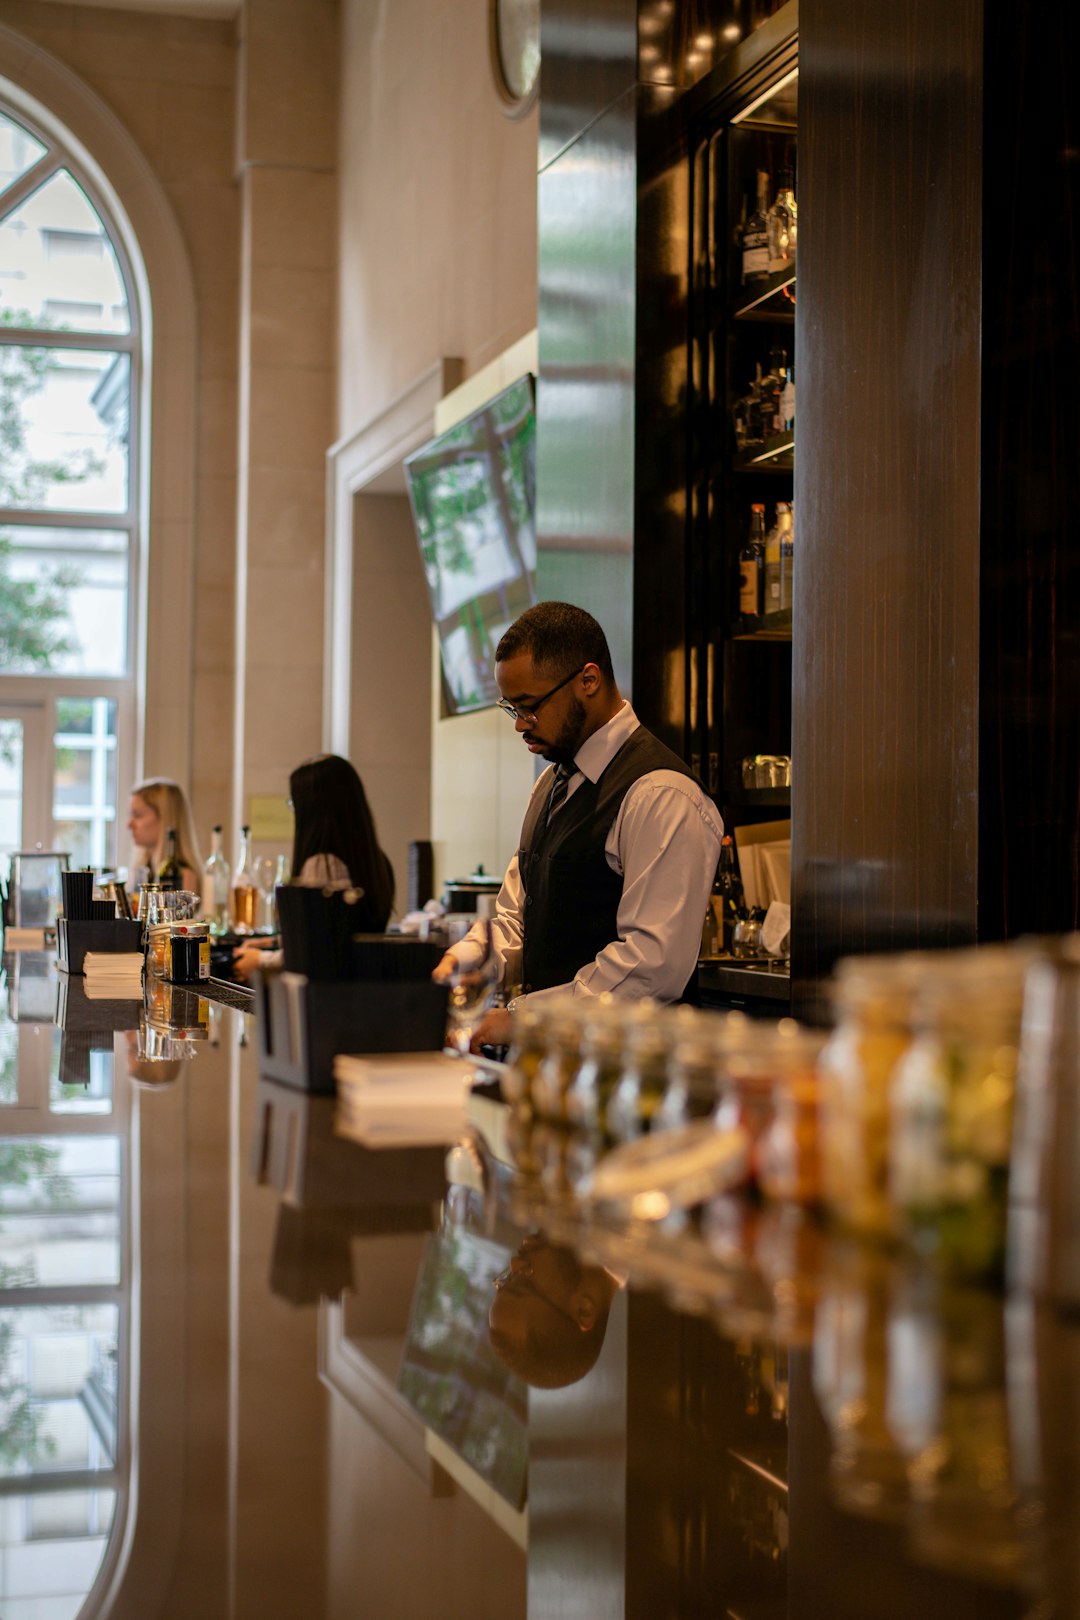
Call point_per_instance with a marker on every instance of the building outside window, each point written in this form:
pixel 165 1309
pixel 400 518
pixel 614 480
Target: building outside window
pixel 69 432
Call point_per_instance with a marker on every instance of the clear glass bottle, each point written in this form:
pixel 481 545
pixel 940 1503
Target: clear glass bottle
pixel 787 561
pixel 217 881
pixel 782 224
pixel 169 873
pixel 245 890
pixel 755 236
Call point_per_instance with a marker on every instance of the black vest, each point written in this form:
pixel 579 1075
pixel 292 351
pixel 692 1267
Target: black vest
pixel 571 894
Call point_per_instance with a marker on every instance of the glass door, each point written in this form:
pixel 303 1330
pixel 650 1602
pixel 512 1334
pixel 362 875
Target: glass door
pixel 24 799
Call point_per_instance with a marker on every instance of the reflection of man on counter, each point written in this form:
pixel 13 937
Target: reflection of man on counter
pixel 549 1316
pixel 620 844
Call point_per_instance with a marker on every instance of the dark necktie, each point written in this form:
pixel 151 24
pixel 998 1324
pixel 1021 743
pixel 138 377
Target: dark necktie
pixel 563 773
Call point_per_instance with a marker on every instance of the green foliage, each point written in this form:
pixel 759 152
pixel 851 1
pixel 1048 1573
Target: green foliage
pixel 33 613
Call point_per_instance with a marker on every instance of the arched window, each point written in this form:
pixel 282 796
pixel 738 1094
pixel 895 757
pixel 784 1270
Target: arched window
pixel 70 351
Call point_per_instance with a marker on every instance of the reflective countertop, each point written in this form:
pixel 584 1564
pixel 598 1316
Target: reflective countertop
pixel 250 1368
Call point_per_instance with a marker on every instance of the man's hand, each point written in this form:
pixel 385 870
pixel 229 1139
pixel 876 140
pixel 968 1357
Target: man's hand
pixel 444 967
pixel 247 959
pixel 493 1030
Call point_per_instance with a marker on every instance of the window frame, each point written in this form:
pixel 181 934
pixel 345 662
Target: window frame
pixel 39 686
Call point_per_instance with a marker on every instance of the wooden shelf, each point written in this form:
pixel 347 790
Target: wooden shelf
pixel 775 455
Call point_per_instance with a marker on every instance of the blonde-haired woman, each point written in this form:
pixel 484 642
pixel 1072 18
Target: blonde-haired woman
pixel 156 805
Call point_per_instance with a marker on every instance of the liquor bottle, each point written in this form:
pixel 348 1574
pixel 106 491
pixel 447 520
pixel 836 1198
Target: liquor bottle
pixel 787 559
pixel 245 891
pixel 781 223
pixel 772 560
pixel 217 879
pixel 787 403
pixel 169 873
pixel 755 236
pixel 752 565
pixel 728 901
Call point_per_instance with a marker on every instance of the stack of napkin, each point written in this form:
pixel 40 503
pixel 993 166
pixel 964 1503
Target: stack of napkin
pixel 401 1099
pixel 113 975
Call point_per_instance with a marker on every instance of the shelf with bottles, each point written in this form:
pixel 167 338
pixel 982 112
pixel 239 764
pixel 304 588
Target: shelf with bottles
pixel 763 627
pixel 772 299
pixel 774 454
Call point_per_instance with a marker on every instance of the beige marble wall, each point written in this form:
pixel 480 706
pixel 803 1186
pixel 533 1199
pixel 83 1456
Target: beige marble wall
pixel 172 83
pixel 437 258
pixel 286 158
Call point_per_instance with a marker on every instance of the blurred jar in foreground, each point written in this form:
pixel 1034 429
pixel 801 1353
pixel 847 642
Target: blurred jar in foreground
pixel 562 1054
pixel 872 997
pixel 528 1044
pixel 789 1153
pixel 601 1060
pixel 697 1044
pixel 643 1076
pixel 951 1111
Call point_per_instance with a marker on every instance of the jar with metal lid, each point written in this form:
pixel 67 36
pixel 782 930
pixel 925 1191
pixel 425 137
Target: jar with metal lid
pixel 562 1054
pixel 951 1112
pixel 602 1033
pixel 872 997
pixel 643 1079
pixel 528 1044
pixel 187 953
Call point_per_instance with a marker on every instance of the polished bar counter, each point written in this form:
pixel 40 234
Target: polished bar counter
pixel 252 1368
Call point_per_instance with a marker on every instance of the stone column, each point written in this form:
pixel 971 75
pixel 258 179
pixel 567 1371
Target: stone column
pixel 286 161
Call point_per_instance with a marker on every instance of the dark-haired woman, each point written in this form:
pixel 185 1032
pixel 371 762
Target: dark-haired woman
pixel 334 846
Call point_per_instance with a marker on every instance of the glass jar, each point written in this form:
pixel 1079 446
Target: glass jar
pixel 643 1080
pixel 872 997
pixel 789 1154
pixel 528 1043
pixel 562 1054
pixel 697 1041
pixel 598 1072
pixel 951 1112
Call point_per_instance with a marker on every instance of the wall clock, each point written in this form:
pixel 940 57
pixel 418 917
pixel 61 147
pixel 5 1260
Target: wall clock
pixel 515 52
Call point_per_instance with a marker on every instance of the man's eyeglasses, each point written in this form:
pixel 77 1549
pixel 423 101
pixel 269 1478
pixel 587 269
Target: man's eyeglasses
pixel 521 711
pixel 519 1280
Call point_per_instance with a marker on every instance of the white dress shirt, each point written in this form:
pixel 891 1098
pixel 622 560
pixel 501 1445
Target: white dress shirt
pixel 665 844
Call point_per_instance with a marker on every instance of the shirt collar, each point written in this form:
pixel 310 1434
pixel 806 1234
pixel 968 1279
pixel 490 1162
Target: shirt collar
pixel 597 752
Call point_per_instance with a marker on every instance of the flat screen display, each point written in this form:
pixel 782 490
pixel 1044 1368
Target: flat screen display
pixel 473 494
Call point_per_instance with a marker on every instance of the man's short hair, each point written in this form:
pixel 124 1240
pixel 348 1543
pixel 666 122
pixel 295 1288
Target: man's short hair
pixel 559 638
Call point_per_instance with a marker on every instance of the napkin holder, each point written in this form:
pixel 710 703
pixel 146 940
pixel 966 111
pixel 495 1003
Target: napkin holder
pixel 75 937
pixel 302 1024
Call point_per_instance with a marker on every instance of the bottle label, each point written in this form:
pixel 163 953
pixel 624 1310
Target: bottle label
pixel 755 259
pixel 748 587
pixel 787 406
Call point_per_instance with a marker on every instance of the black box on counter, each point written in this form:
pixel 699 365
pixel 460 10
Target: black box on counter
pixel 74 938
pixel 302 1026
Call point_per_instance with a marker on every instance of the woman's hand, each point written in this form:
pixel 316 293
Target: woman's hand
pixel 247 959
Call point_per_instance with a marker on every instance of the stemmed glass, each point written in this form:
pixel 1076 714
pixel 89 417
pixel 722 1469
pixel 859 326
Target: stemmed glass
pixel 266 878
pixel 472 987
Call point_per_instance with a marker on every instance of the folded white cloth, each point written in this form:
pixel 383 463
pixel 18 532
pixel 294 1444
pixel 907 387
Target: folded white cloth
pixel 776 929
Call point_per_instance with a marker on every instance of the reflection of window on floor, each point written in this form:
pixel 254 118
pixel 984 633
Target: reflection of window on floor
pixel 84 802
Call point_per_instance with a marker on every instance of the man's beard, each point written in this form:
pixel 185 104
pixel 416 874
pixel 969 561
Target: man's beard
pixel 569 738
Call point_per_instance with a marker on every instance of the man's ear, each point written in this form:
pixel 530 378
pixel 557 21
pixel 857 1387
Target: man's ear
pixel 592 678
pixel 585 1312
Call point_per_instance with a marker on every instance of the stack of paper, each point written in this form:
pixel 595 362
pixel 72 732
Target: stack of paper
pixel 399 1099
pixel 113 975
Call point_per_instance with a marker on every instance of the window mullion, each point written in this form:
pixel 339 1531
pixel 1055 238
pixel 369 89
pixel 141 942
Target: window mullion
pixel 47 165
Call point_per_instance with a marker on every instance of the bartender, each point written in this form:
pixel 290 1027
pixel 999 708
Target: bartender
pixel 619 845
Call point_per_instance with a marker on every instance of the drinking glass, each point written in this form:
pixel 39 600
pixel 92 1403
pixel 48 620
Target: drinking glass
pixel 266 878
pixel 472 988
